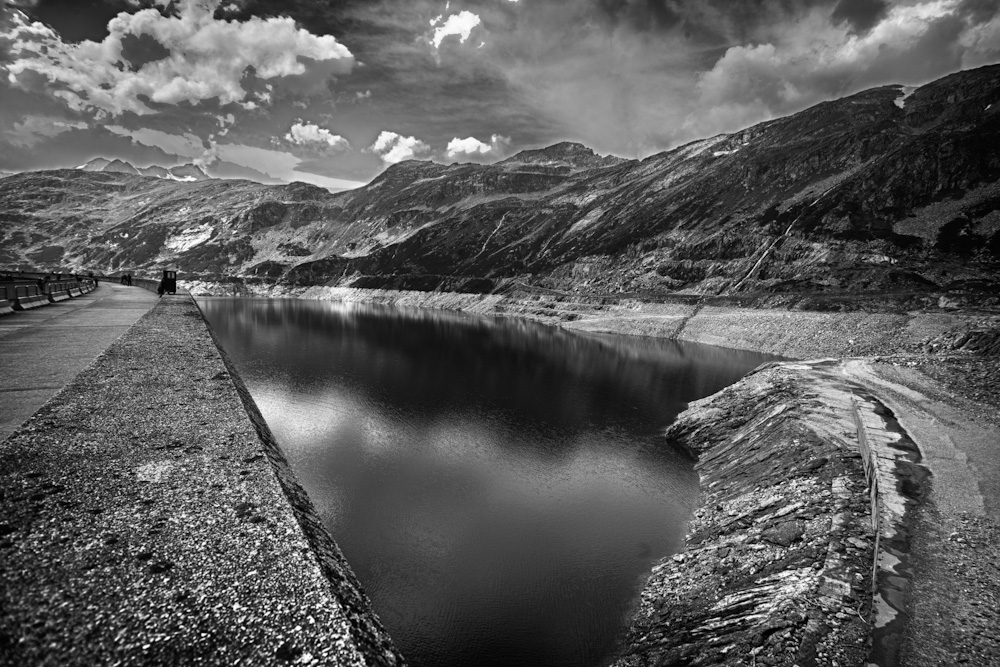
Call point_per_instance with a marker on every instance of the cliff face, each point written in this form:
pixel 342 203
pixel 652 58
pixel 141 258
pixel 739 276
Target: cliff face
pixel 882 191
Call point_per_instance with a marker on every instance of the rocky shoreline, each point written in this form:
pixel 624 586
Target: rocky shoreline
pixel 791 333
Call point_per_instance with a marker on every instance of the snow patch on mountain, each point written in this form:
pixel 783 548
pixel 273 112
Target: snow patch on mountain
pixel 189 238
pixel 904 92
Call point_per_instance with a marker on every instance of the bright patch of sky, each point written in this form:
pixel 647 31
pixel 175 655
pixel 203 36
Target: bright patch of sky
pixel 460 25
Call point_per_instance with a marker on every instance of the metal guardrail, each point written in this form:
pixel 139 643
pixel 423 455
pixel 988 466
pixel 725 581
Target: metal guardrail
pixel 870 464
pixel 23 292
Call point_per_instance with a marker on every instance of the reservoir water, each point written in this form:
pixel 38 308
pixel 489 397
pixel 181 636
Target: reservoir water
pixel 501 488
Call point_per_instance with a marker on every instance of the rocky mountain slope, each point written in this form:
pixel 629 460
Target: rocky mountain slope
pixel 879 191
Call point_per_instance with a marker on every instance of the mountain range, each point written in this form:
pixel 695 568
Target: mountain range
pixel 889 190
pixel 187 173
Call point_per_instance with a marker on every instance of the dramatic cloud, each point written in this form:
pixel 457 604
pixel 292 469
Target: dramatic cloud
pixel 190 57
pixel 460 24
pixel 629 77
pixel 471 147
pixel 818 60
pixel 305 134
pixel 393 148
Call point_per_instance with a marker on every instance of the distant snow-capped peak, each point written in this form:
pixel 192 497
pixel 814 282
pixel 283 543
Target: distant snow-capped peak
pixel 184 173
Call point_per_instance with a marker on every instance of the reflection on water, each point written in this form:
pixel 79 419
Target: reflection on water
pixel 498 486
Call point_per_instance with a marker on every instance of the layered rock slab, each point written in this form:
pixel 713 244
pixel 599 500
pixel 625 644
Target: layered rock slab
pixel 778 567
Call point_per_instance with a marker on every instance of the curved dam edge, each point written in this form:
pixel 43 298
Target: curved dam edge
pixel 147 517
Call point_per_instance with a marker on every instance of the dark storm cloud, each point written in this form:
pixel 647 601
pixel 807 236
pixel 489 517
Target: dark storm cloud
pixel 862 15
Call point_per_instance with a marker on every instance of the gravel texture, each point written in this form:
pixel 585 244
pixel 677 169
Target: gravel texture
pixel 146 520
pixel 955 610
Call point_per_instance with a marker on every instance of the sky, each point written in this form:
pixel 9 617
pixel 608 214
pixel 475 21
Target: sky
pixel 332 92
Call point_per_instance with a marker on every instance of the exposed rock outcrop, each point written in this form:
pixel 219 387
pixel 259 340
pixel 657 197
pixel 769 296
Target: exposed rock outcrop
pixel 780 560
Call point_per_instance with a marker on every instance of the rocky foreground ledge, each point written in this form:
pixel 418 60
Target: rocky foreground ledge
pixel 147 517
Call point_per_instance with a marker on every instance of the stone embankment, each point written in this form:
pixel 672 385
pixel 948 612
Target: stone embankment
pixel 148 517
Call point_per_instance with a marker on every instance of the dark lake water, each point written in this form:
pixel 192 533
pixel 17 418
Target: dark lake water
pixel 499 487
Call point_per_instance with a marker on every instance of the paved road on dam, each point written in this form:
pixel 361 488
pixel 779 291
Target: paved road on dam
pixel 43 349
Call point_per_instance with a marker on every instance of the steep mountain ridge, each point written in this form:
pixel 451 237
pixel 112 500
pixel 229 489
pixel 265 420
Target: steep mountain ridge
pixel 885 190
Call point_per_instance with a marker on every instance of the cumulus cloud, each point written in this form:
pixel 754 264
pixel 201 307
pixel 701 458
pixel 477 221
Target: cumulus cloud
pixel 460 25
pixel 393 148
pixel 470 147
pixel 309 133
pixel 206 59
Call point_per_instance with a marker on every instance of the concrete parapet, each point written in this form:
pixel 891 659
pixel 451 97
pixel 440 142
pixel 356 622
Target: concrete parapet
pixel 29 302
pixel 61 295
pixel 75 291
pixel 146 518
pixel 6 307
